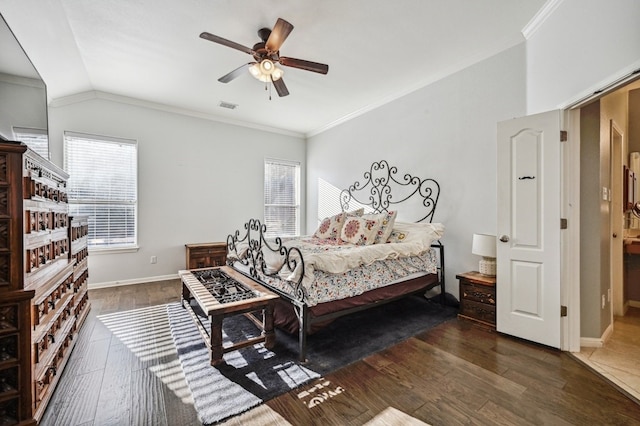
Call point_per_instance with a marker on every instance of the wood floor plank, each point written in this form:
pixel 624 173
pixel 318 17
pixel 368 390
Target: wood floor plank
pixel 404 374
pixel 362 385
pixel 114 402
pixel 409 353
pixel 486 377
pixel 497 415
pixel 293 408
pixel 147 402
pixel 92 357
pixel 75 399
pixel 443 413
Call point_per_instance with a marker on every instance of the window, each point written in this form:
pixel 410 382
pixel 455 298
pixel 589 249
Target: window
pixel 103 185
pixel 36 139
pixel 282 198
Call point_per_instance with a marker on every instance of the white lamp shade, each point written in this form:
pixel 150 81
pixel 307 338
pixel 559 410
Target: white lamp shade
pixel 484 245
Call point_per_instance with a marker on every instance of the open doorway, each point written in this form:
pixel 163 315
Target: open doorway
pixel 611 298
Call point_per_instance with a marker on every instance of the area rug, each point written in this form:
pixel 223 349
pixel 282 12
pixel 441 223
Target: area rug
pixel 253 375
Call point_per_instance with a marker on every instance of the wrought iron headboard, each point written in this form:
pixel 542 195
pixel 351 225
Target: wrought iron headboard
pixel 378 186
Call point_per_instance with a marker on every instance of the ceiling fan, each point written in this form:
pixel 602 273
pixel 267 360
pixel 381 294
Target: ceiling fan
pixel 267 54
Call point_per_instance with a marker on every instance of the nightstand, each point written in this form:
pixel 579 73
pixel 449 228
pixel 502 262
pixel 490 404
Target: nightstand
pixel 478 298
pixel 206 255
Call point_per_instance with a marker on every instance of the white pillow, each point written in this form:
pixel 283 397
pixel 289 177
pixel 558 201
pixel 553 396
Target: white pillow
pixel 424 233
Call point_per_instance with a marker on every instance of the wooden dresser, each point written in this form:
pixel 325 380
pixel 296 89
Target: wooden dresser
pixel 42 304
pixel 478 298
pixel 206 255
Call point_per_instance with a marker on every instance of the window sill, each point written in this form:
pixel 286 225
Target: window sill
pixel 113 250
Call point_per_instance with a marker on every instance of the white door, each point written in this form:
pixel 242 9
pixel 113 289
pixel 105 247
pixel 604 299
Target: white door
pixel 529 191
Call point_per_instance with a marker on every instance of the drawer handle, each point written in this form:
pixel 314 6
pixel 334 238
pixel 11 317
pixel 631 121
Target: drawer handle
pixel 52 338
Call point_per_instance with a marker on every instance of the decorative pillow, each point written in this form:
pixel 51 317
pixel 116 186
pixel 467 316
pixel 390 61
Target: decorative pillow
pixel 397 236
pixel 359 230
pixel 358 212
pixel 386 226
pixel 421 233
pixel 330 227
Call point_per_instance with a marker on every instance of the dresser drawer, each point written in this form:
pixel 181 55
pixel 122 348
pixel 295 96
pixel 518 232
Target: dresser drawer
pixel 478 311
pixel 478 293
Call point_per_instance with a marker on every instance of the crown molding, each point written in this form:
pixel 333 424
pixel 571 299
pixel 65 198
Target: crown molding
pixel 95 94
pixel 539 18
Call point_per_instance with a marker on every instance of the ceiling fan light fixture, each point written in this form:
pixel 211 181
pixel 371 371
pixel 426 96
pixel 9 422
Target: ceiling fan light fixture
pixel 277 74
pixel 266 71
pixel 266 66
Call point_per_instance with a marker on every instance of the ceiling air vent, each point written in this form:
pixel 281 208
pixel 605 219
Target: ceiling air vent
pixel 227 105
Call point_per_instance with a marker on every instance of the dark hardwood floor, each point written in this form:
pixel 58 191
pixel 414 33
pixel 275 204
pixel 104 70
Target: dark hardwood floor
pixel 124 371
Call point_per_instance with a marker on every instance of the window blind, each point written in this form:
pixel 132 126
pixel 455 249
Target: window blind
pixel 103 185
pixel 282 198
pixel 36 139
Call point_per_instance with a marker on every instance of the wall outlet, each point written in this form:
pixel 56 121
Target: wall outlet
pixel 154 259
pixel 603 301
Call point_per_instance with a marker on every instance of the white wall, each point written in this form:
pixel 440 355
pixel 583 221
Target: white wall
pixel 446 131
pixel 198 180
pixel 583 46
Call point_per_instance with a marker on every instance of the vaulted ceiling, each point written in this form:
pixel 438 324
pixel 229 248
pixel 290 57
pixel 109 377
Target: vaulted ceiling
pixel 149 51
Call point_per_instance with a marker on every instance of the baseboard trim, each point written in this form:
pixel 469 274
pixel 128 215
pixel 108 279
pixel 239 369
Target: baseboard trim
pixel 634 303
pixel 107 284
pixel 597 342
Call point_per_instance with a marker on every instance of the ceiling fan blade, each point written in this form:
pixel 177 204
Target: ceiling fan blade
pixel 235 73
pixel 225 42
pixel 278 35
pixel 281 88
pixel 304 65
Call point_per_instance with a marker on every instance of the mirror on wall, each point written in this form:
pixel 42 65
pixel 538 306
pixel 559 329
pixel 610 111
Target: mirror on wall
pixel 23 95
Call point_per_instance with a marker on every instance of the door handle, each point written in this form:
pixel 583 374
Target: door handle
pixel 615 235
pixel 504 238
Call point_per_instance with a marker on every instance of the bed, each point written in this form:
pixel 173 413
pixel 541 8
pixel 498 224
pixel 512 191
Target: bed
pixel 361 257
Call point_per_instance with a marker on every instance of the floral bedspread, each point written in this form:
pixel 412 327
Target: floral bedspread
pixel 340 281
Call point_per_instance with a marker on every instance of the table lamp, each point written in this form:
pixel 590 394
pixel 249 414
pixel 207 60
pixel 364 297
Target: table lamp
pixel 485 245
